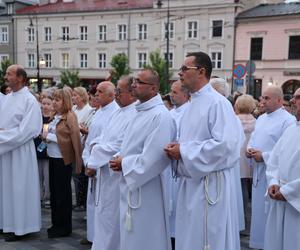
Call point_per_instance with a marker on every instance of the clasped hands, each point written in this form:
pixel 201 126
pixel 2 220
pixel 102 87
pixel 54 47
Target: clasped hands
pixel 275 194
pixel 255 154
pixel 173 151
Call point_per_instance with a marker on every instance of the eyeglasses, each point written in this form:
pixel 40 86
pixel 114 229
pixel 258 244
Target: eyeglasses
pixel 138 81
pixel 184 68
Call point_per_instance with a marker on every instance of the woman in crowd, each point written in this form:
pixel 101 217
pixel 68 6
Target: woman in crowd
pixel 43 161
pixel 64 148
pixel 83 111
pixel 244 106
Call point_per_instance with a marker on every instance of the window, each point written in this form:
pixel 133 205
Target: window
pixel 3 34
pixel 122 32
pixel 171 63
pixel 83 60
pixel 3 57
pixel 47 31
pixel 142 60
pixel 142 31
pixel 192 30
pixel 216 60
pixel 217 28
pixel 9 8
pixel 171 30
pixel 83 33
pixel 31 34
pixel 65 33
pixel 294 47
pixel 31 60
pixel 65 60
pixel 256 48
pixel 102 60
pixel 102 32
pixel 48 60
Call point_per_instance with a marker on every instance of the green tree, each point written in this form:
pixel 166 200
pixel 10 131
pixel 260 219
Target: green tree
pixel 159 64
pixel 70 78
pixel 3 67
pixel 120 64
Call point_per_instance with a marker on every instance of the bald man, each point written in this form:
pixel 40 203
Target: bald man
pixel 21 121
pixel 268 129
pixel 105 96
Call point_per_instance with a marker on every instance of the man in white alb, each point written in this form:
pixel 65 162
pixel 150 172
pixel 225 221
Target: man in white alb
pixel 268 129
pixel 21 121
pixel 283 174
pixel 206 153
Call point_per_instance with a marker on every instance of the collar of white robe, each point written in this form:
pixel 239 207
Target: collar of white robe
pixel 128 220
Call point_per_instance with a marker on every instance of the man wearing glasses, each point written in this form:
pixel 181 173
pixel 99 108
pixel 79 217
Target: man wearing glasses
pixel 283 174
pixel 143 210
pixel 206 152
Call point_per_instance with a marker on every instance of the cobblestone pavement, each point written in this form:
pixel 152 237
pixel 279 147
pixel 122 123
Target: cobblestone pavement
pixel 40 240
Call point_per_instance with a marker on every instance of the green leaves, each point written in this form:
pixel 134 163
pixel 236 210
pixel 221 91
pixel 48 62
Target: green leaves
pixel 70 78
pixel 120 64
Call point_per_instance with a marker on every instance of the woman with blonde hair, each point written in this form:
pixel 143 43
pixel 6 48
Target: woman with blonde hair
pixel 244 106
pixel 64 148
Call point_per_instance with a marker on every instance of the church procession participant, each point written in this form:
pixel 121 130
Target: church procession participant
pixel 107 220
pixel 283 174
pixel 206 153
pixel 105 97
pixel 143 208
pixel 179 97
pixel 20 211
pixel 64 148
pixel 268 129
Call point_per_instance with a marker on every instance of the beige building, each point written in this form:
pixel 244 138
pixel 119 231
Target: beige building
pixel 85 35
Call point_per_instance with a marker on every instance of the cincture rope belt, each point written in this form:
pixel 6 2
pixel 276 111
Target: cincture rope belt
pixel 211 202
pixel 128 220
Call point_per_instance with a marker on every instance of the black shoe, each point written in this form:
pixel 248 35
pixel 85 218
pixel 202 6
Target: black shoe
pixel 1 231
pixel 79 209
pixel 57 233
pixel 85 241
pixel 51 229
pixel 11 237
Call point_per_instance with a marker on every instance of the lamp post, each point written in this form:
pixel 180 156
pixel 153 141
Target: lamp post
pixel 39 82
pixel 159 5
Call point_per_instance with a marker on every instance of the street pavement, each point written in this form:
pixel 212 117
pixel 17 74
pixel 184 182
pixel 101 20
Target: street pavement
pixel 39 241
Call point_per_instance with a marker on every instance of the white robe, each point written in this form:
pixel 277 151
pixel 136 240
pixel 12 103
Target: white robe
pixel 283 169
pixel 209 146
pixel 1 98
pixel 21 121
pixel 268 130
pixel 98 123
pixel 143 162
pixel 107 220
pixel 172 185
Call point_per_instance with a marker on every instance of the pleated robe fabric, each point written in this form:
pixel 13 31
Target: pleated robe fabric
pixel 98 123
pixel 268 130
pixel 107 219
pixel 210 146
pixel 283 169
pixel 21 121
pixel 143 162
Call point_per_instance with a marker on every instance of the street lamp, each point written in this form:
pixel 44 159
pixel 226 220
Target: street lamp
pixel 39 82
pixel 159 5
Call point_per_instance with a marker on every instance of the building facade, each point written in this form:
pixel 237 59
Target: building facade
pixel 269 36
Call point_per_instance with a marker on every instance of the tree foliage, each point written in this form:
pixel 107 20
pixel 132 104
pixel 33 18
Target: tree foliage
pixel 70 78
pixel 120 64
pixel 3 67
pixel 159 64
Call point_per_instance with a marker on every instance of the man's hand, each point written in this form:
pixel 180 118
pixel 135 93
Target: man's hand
pixel 116 163
pixel 275 194
pixel 249 152
pixel 173 150
pixel 90 172
pixel 83 129
pixel 257 155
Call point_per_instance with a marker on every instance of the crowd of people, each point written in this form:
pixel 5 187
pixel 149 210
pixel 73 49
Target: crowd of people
pixel 151 171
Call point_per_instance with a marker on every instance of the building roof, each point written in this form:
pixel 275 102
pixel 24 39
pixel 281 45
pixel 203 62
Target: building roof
pixel 270 10
pixel 64 6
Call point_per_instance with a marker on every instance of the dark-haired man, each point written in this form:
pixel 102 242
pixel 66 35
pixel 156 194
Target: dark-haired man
pixel 143 215
pixel 206 152
pixel 21 121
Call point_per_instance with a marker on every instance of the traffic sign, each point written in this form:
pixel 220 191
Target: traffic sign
pixel 239 71
pixel 239 82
